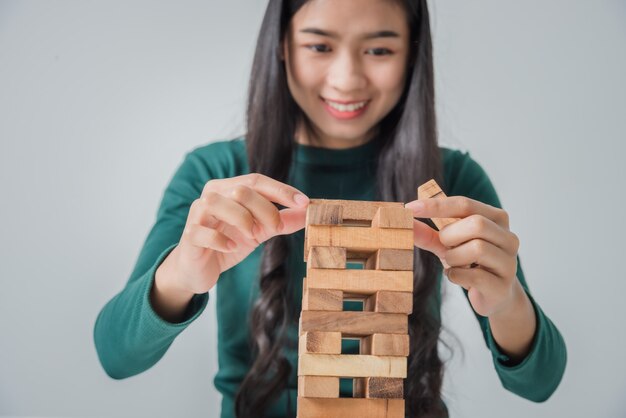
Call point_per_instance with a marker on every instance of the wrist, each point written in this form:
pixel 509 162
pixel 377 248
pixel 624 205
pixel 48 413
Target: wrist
pixel 168 299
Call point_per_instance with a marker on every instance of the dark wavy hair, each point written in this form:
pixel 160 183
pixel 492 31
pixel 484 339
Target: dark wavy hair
pixel 409 157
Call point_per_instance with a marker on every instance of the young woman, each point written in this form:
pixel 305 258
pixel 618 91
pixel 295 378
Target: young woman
pixel 341 106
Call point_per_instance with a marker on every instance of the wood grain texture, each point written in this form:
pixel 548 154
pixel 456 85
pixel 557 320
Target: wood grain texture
pixel 351 365
pixel 321 299
pixel 354 324
pixel 385 345
pixel 350 408
pixel 320 342
pixel 357 238
pixel 318 387
pixel 378 387
pixel 390 259
pixel 324 214
pixel 365 282
pixel 327 258
pixel 393 217
pixel 389 302
pixel 357 210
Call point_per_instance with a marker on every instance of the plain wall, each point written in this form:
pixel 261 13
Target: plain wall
pixel 100 100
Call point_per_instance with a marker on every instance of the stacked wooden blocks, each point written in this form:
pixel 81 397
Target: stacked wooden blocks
pixel 378 235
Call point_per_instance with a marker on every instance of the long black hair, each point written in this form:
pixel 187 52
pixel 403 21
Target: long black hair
pixel 409 157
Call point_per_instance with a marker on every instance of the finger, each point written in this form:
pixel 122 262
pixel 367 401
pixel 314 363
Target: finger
pixel 477 226
pixel 482 280
pixel 202 237
pixel 265 214
pixel 486 255
pixel 269 188
pixel 457 207
pixel 228 211
pixel 426 238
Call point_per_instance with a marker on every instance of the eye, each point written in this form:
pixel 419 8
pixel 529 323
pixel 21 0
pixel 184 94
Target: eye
pixel 318 47
pixel 381 51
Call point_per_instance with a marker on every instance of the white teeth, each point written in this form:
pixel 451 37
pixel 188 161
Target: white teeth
pixel 346 108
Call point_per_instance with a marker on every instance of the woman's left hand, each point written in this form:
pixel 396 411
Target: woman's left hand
pixel 480 236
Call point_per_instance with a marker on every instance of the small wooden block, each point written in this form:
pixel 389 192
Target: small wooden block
pixel 324 214
pixel 393 217
pixel 364 282
pixel 350 408
pixel 327 258
pixel 351 365
pixel 390 259
pixel 378 387
pixel 356 238
pixel 390 302
pixel 385 345
pixel 317 342
pixel 321 299
pixel 429 190
pixel 356 210
pixel 354 323
pixel 318 387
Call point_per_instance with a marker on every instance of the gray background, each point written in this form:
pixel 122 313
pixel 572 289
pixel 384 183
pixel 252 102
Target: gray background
pixel 99 101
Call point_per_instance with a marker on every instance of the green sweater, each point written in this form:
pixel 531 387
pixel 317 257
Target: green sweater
pixel 130 337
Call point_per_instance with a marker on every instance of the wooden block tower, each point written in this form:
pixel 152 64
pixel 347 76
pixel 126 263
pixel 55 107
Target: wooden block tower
pixel 378 235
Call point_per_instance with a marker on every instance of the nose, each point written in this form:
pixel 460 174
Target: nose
pixel 345 73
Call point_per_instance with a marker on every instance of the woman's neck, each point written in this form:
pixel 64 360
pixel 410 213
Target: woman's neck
pixel 310 136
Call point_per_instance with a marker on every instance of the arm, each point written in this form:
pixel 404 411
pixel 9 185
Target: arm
pixel 528 351
pixel 129 335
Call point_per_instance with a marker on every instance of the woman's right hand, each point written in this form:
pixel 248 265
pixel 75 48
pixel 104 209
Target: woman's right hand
pixel 229 220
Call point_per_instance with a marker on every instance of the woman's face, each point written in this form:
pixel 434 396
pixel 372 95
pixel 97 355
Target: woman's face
pixel 346 66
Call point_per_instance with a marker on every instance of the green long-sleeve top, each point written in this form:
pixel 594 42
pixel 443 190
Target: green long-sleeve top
pixel 130 337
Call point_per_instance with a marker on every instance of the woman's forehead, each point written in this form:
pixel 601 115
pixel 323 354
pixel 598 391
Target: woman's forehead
pixel 351 17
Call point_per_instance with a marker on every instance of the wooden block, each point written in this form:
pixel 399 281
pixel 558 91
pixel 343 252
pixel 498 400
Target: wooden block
pixel 318 342
pixel 357 238
pixel 363 282
pixel 351 365
pixel 324 214
pixel 393 217
pixel 385 345
pixel 390 302
pixel 390 259
pixel 327 258
pixel 357 211
pixel 350 408
pixel 355 323
pixel 318 387
pixel 429 190
pixel 378 387
pixel 321 299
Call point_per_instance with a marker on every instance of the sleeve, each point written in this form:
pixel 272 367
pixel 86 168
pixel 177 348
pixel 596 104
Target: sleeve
pixel 537 376
pixel 130 337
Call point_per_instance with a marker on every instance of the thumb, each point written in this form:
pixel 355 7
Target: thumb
pixel 427 239
pixel 293 219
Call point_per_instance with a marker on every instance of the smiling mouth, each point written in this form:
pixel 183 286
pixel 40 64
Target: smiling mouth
pixel 346 107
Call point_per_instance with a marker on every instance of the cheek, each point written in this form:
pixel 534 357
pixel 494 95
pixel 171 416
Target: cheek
pixel 305 75
pixel 389 80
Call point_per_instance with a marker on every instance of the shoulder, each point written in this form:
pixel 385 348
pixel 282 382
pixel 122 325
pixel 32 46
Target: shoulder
pixel 464 176
pixel 219 159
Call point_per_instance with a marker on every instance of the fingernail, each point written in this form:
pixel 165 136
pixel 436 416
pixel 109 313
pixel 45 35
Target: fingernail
pixel 301 199
pixel 416 206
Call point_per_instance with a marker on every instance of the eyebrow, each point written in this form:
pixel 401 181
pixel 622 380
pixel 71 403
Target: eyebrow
pixel 371 35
